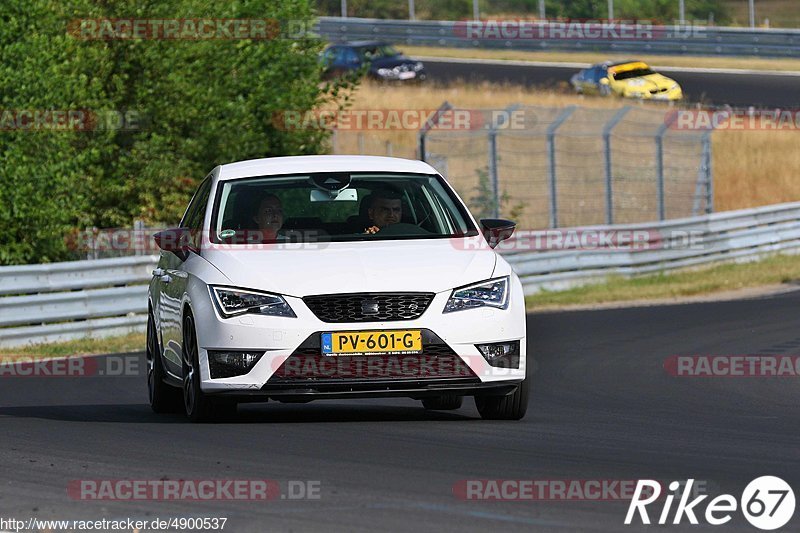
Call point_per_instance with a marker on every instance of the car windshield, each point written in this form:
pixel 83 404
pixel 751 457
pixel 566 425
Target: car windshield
pixel 635 73
pixel 337 207
pixel 377 51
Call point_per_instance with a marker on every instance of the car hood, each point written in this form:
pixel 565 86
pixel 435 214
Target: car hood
pixel 649 82
pixel 390 62
pixel 433 265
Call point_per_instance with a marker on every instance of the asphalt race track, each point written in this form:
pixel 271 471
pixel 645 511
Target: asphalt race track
pixel 602 408
pixel 738 90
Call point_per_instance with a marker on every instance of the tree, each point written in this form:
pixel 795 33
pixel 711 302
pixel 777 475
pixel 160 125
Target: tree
pixel 197 103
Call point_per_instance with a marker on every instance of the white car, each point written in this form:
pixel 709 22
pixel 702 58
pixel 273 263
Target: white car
pixel 302 278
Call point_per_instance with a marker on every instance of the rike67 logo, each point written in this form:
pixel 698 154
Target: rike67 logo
pixel 767 503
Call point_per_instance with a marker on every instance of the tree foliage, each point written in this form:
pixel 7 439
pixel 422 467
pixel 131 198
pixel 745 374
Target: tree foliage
pixel 191 104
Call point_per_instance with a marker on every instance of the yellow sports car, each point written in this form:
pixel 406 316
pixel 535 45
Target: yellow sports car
pixel 628 79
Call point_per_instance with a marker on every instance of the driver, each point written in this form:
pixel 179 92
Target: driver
pixel 269 217
pixel 385 209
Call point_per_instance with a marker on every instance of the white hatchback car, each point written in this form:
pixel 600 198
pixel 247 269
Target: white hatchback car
pixel 301 278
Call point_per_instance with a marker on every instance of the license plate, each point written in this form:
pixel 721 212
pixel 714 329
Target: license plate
pixel 407 75
pixel 399 342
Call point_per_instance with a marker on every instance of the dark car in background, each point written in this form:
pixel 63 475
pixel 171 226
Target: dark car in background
pixel 380 60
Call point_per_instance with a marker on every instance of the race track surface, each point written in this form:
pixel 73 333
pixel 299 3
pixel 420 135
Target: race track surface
pixel 602 408
pixel 738 90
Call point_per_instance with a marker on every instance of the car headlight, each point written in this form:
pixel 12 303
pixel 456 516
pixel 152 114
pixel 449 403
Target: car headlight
pixel 492 293
pixel 234 302
pixel 387 73
pixel 674 86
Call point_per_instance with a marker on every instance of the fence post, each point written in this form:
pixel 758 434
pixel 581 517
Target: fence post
pixel 662 130
pixel 138 232
pixel 430 123
pixel 551 157
pixel 607 155
pixel 494 175
pixel 703 189
pixel 493 171
pixel 707 170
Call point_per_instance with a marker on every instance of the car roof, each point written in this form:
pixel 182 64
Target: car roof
pixel 272 166
pixel 612 63
pixel 360 44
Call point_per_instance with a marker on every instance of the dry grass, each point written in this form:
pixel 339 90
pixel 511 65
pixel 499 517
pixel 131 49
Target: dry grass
pixel 751 168
pixel 132 342
pixel 774 270
pixel 747 63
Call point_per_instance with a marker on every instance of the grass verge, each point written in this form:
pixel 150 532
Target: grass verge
pixel 773 270
pixel 131 342
pixel 744 63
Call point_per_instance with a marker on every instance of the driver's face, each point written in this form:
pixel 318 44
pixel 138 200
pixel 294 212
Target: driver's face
pixel 385 212
pixel 270 215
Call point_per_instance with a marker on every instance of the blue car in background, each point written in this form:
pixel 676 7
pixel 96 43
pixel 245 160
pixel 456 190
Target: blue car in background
pixel 381 60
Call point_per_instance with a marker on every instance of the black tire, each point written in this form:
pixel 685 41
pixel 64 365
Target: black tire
pixel 448 402
pixel 163 398
pixel 198 406
pixel 510 407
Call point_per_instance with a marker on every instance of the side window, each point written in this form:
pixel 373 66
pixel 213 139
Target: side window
pixel 189 219
pixel 193 219
pixel 328 56
pixel 350 56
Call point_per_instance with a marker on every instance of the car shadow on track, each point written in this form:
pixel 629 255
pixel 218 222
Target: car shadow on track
pixel 247 414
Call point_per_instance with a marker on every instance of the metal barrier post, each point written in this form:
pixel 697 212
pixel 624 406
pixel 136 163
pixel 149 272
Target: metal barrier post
pixel 551 156
pixel 703 189
pixel 496 122
pixel 493 171
pixel 707 171
pixel 607 153
pixel 662 130
pixel 430 123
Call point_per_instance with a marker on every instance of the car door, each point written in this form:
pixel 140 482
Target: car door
pixel 589 81
pixel 173 281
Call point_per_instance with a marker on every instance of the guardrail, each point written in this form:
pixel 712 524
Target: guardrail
pixel 718 237
pixel 680 40
pixel 62 301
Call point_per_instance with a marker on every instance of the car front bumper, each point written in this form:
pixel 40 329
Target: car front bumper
pixel 449 347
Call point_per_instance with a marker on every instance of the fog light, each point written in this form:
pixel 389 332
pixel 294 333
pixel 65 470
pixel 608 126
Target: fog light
pixel 501 354
pixel 230 364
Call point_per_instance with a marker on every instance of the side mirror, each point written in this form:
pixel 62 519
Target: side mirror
pixel 175 240
pixel 496 230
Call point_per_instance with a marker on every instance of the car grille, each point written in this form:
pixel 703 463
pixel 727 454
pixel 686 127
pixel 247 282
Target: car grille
pixel 369 307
